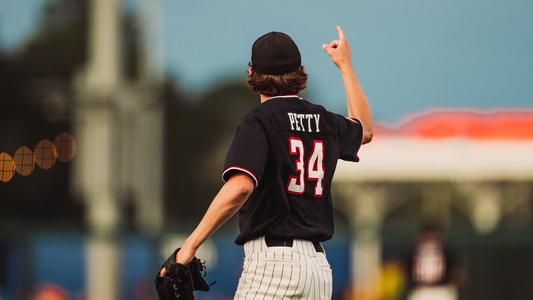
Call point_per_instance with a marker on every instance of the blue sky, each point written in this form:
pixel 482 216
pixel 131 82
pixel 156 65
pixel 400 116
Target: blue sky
pixel 411 55
pixel 18 21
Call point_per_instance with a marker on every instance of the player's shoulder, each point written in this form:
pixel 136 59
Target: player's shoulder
pixel 266 110
pixel 312 106
pixel 332 116
pixel 335 119
pixel 281 103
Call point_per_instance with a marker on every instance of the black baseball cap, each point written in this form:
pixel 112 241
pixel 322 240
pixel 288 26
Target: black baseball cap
pixel 275 53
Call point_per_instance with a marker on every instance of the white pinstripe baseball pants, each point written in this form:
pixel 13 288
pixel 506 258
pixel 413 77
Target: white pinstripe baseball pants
pixel 297 272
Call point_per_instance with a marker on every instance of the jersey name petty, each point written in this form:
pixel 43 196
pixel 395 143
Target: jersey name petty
pixel 298 122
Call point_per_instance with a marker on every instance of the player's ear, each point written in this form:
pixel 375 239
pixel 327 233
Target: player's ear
pixel 250 72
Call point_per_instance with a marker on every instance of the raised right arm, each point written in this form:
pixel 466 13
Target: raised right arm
pixel 356 101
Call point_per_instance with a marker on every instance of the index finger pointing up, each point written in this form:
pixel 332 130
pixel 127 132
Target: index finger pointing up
pixel 342 37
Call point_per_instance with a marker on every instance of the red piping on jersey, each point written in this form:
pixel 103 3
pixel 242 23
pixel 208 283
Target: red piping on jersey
pixel 355 120
pixel 242 170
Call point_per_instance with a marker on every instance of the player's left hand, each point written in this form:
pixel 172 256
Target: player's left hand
pixel 179 279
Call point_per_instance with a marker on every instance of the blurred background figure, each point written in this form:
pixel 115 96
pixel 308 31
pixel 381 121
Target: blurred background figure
pixel 434 270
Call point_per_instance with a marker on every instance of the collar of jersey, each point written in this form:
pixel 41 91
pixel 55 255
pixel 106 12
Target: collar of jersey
pixel 285 96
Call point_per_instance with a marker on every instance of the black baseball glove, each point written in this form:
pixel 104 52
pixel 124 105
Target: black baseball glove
pixel 181 280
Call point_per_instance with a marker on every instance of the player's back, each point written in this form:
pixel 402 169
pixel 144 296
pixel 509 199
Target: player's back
pixel 292 148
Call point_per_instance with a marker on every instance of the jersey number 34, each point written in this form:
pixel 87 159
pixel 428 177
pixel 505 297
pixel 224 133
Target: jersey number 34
pixel 314 170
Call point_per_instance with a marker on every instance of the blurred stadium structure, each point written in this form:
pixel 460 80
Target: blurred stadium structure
pixel 142 173
pixel 482 159
pixel 125 120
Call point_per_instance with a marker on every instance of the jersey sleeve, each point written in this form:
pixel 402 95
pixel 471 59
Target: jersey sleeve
pixel 248 150
pixel 350 136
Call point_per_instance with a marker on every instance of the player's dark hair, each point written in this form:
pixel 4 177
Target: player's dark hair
pixel 277 85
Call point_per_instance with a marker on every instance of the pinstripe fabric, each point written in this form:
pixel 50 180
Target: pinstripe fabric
pixel 297 272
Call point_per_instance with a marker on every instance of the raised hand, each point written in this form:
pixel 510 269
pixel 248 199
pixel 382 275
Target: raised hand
pixel 339 50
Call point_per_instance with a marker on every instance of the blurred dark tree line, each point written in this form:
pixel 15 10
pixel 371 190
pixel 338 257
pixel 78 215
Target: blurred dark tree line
pixel 52 57
pixel 37 102
pixel 197 138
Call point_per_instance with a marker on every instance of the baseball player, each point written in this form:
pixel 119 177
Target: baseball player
pixel 278 173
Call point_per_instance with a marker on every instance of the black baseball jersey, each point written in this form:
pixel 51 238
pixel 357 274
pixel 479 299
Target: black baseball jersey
pixel 290 148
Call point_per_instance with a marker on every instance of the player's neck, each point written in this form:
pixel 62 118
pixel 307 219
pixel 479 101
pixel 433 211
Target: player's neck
pixel 265 98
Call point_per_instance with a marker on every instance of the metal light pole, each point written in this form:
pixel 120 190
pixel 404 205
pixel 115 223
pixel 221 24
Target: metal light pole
pixel 98 164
